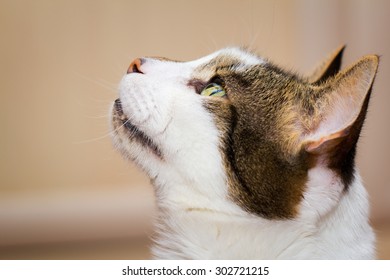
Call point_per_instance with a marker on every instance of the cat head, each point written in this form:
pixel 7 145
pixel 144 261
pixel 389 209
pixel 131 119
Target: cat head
pixel 234 128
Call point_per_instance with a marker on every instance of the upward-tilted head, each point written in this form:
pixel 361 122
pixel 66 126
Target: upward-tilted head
pixel 230 140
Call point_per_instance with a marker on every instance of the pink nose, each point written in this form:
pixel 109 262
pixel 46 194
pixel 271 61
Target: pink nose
pixel 135 66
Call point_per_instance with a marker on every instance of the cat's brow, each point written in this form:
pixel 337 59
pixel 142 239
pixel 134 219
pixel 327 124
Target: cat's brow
pixel 162 58
pixel 215 66
pixel 228 66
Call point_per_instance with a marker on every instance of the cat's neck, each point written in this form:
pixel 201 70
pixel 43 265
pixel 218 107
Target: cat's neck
pixel 346 233
pixel 185 231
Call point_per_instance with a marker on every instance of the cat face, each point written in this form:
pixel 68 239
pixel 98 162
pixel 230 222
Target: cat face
pixel 233 129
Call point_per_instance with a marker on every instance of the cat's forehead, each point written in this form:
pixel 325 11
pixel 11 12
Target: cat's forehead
pixel 227 57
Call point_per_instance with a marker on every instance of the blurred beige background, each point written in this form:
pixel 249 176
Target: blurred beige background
pixel 64 192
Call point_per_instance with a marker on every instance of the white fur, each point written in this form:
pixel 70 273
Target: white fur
pixel 197 219
pixel 246 58
pixel 340 230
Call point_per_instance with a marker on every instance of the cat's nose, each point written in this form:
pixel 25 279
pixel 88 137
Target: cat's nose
pixel 135 66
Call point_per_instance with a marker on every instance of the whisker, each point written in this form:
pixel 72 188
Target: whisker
pixel 109 134
pixel 244 27
pixel 101 83
pixel 233 41
pixel 113 85
pixel 98 100
pixel 270 30
pixel 98 117
pixel 253 40
pixel 211 38
pixel 94 139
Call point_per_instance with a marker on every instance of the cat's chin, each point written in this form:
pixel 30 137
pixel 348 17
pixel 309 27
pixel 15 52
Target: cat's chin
pixel 128 132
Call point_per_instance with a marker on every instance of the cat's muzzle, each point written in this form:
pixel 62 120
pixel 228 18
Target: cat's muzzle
pixel 122 123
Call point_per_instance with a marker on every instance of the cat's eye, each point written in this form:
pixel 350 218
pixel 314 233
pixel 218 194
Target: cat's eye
pixel 213 89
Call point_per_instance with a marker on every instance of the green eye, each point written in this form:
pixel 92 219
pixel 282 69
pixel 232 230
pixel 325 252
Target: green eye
pixel 213 89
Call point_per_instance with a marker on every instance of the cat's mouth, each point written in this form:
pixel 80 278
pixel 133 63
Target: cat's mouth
pixel 133 132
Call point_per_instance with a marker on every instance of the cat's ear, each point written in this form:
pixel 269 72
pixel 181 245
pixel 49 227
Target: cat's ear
pixel 339 108
pixel 328 68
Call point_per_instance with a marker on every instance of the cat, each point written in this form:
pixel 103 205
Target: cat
pixel 248 160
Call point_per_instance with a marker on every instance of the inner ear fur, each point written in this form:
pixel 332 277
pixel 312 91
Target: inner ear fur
pixel 340 107
pixel 328 68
